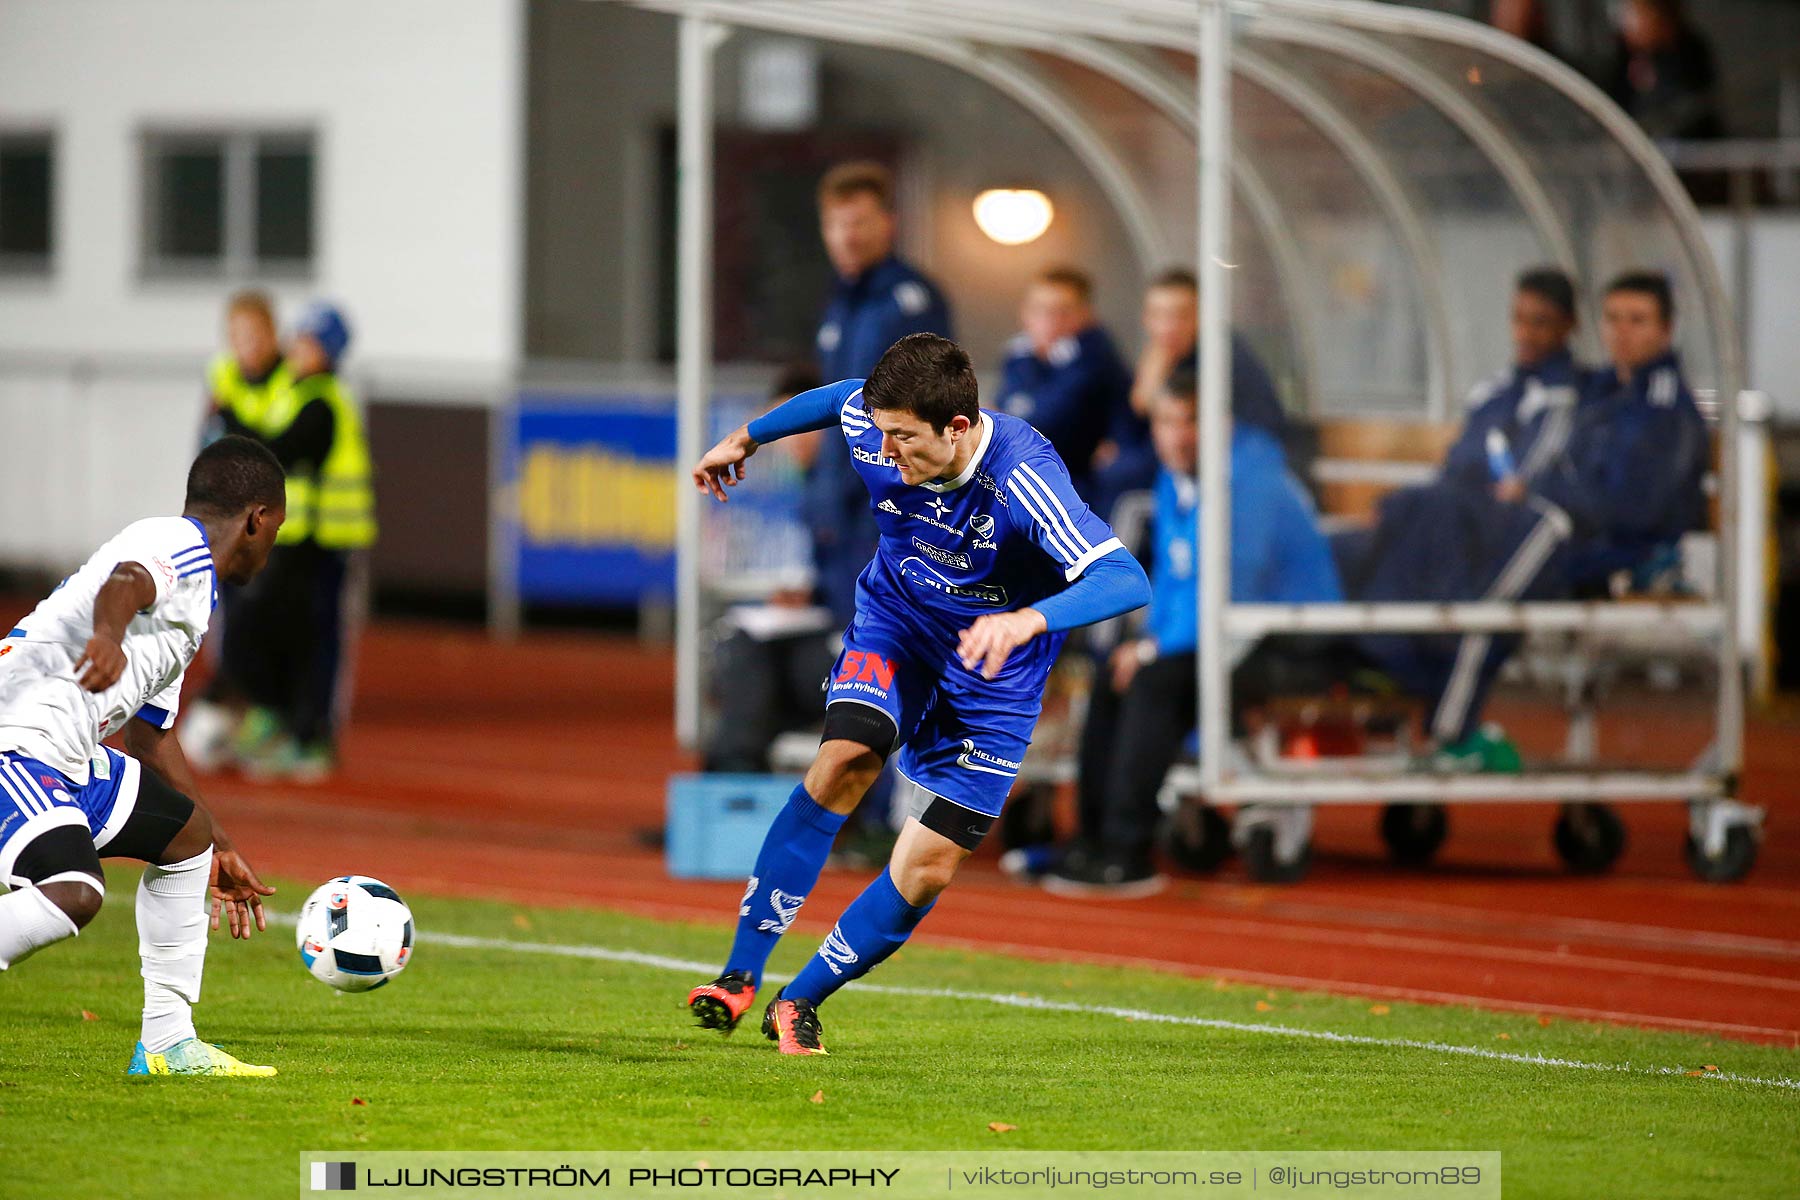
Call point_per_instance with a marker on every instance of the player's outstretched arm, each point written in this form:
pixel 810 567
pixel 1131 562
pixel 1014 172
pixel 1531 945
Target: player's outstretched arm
pixel 723 465
pixel 236 890
pixel 127 591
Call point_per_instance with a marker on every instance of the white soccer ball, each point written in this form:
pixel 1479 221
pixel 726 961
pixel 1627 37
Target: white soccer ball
pixel 355 933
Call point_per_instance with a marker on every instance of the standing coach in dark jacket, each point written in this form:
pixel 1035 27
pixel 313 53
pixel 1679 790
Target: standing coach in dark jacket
pixel 877 300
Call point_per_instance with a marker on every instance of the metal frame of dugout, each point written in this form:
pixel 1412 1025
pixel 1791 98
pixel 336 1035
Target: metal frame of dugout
pixel 1461 147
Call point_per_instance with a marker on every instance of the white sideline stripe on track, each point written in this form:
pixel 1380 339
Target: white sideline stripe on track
pixel 663 962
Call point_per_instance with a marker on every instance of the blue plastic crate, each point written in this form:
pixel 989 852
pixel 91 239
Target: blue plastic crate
pixel 717 822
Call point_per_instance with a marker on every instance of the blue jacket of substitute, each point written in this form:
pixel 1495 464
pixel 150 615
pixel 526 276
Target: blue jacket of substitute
pixel 864 317
pixel 1278 555
pixel 1632 480
pixel 1533 408
pixel 1069 395
pixel 1254 400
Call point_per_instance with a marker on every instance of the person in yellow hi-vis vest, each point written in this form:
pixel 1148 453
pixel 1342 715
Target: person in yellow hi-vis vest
pixel 293 641
pixel 240 381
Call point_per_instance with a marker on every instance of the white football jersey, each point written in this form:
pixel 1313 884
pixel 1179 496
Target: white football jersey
pixel 44 713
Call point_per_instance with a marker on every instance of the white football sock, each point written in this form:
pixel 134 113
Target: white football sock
pixel 28 923
pixel 171 918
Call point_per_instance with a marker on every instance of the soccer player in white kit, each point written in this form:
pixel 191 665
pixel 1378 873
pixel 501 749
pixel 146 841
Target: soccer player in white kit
pixel 106 652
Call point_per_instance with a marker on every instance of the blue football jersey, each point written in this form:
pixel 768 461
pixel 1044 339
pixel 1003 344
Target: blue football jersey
pixel 1005 534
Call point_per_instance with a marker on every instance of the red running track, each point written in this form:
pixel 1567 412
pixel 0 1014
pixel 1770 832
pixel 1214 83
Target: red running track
pixel 524 771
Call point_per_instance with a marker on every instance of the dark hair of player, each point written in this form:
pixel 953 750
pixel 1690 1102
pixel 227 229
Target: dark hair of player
pixel 793 379
pixel 847 181
pixel 1176 277
pixel 1551 284
pixel 1649 283
pixel 233 474
pixel 928 376
pixel 1073 278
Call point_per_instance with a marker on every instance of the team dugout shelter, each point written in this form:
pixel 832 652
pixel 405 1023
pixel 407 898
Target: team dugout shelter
pixel 1355 185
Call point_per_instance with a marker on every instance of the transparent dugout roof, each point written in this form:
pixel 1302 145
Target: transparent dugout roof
pixel 1392 169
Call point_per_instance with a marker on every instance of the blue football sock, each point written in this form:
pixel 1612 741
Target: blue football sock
pixel 787 866
pixel 876 924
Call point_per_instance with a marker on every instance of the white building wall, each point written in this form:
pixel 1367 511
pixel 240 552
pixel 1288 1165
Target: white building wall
pixel 418 111
pixel 417 108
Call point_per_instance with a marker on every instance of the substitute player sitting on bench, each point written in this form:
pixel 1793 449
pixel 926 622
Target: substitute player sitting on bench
pixel 106 652
pixel 987 559
pixel 1550 490
pixel 1139 718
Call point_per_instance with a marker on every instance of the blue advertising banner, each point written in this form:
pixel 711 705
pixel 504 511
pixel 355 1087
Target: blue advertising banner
pixel 591 479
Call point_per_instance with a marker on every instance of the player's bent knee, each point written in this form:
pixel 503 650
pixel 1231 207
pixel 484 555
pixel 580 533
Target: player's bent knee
pixel 79 896
pixel 195 837
pixel 62 865
pixel 925 861
pixel 921 878
pixel 841 773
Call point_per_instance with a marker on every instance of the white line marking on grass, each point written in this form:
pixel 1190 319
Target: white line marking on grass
pixel 1037 1004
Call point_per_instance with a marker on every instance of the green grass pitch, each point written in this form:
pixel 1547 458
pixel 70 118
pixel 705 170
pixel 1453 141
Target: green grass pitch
pixel 479 1047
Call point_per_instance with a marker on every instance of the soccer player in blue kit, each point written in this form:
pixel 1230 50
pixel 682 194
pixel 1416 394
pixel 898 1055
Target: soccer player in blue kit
pixel 987 559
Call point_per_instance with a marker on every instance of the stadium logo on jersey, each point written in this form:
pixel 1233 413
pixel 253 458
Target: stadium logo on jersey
pixel 888 506
pixel 914 570
pixel 836 950
pixel 949 558
pixel 870 457
pixel 786 909
pixel 973 760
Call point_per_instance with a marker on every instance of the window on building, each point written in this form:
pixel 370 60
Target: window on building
pixel 27 180
pixel 235 205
